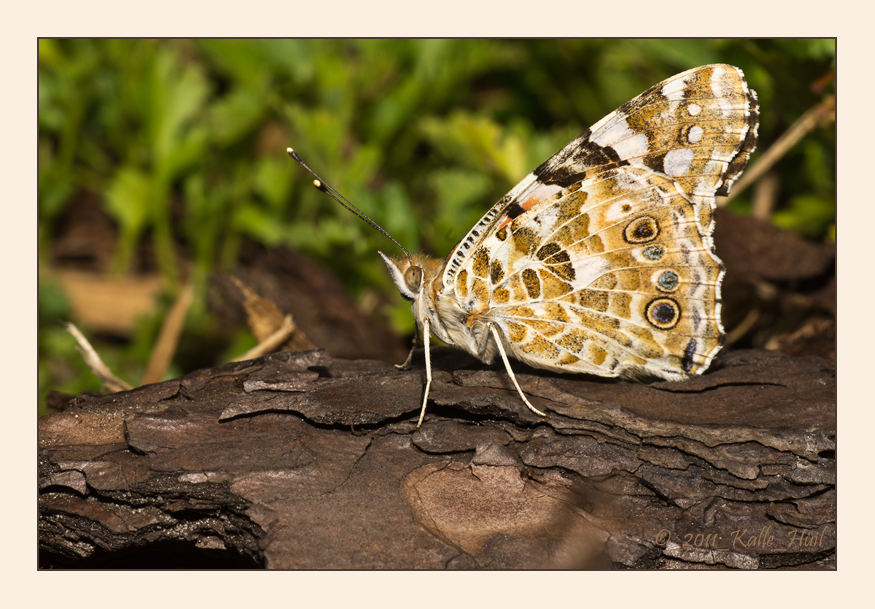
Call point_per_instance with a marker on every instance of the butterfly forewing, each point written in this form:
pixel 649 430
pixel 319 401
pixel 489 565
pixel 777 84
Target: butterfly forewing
pixel 601 260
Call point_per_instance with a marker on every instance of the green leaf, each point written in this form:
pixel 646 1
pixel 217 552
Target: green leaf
pixel 463 197
pixel 129 199
pixel 177 95
pixel 274 178
pixel 809 215
pixel 397 218
pixel 235 116
pixel 254 221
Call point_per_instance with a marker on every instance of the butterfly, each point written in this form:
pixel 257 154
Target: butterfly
pixel 601 260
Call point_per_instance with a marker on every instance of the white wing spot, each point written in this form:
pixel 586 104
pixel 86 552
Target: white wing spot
pixel 677 162
pixel 625 142
pixel 633 147
pixel 547 219
pixel 674 90
pixel 726 108
pixel 694 109
pixel 695 134
pixel 719 82
pixel 723 85
pixel 617 212
pixel 588 269
pixel 613 134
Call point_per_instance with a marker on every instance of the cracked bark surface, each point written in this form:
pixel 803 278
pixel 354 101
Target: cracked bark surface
pixel 297 460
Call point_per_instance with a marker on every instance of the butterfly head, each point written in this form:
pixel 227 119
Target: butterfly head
pixel 411 274
pixel 418 280
pixel 406 275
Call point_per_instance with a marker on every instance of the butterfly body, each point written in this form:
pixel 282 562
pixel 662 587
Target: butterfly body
pixel 601 260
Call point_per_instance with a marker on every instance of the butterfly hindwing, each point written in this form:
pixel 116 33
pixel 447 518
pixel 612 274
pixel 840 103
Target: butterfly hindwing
pixel 598 283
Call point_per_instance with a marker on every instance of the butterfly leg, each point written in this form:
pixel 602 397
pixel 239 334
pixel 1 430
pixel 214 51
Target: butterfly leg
pixel 509 371
pixel 425 335
pixel 409 359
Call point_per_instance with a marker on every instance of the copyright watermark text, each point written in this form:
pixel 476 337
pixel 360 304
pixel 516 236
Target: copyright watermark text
pixel 764 538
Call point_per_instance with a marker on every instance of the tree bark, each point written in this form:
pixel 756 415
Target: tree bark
pixel 296 460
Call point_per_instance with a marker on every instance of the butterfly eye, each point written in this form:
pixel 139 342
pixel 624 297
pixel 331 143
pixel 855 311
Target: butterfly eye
pixel 413 277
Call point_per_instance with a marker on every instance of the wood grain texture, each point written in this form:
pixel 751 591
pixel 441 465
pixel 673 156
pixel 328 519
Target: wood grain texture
pixel 297 460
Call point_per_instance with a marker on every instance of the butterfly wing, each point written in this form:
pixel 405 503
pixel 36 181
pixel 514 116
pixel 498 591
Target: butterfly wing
pixel 601 260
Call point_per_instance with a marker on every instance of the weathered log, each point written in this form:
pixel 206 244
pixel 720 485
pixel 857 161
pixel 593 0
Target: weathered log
pixel 296 460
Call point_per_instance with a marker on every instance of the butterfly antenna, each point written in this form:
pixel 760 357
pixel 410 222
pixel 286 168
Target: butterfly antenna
pixel 328 190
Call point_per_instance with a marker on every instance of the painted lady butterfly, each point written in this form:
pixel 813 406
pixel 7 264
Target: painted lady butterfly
pixel 601 260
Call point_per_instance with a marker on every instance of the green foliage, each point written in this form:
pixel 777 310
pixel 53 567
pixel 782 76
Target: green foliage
pixel 184 141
